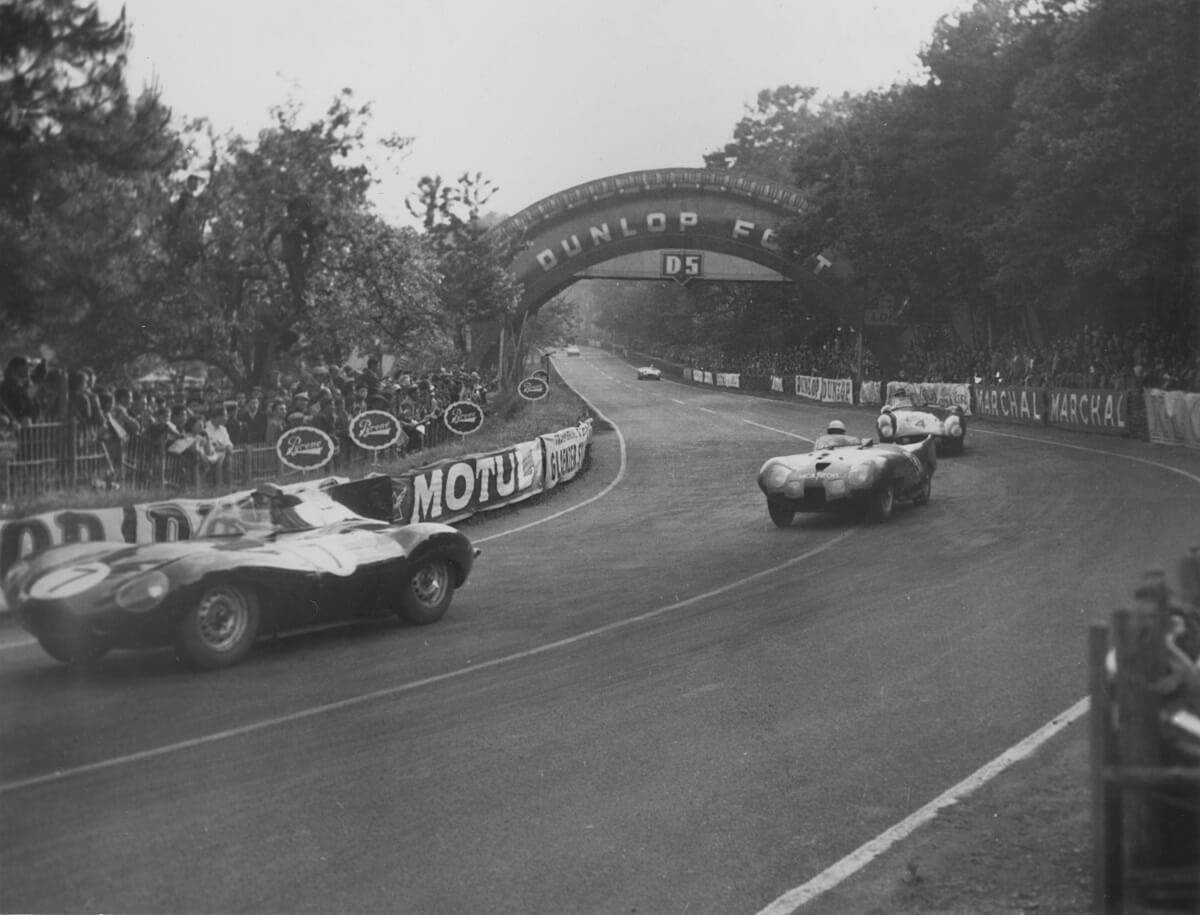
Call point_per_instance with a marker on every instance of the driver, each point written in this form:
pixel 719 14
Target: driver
pixel 835 437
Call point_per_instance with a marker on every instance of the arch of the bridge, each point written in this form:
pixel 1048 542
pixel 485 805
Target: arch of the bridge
pixel 693 209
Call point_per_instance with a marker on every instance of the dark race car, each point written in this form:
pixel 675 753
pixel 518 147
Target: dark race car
pixel 867 476
pixel 649 373
pixel 260 564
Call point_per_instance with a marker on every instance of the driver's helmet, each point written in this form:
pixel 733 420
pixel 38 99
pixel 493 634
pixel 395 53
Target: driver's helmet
pixel 837 427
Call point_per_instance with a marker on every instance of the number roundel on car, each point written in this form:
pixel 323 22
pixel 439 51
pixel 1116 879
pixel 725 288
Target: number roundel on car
pixel 68 581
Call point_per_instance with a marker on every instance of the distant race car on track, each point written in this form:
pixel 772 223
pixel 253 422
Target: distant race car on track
pixel 901 421
pixel 869 476
pixel 649 373
pixel 261 563
pixel 572 350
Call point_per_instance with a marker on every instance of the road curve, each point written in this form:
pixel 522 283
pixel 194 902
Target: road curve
pixel 656 702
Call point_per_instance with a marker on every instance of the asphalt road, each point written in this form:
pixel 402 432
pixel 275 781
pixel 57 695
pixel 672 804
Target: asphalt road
pixel 648 699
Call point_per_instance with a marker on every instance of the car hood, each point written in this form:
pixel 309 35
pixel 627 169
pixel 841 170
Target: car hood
pixel 833 460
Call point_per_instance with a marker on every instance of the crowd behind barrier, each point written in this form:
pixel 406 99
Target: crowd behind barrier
pixel 61 430
pixel 1089 381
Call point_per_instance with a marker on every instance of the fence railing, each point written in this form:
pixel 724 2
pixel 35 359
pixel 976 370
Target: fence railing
pixel 63 456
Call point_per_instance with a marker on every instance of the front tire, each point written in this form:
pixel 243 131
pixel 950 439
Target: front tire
pixel 780 513
pixel 426 592
pixel 219 628
pixel 883 501
pixel 923 494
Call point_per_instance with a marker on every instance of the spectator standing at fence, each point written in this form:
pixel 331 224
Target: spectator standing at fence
pixel 233 425
pixel 255 420
pixel 122 413
pixel 276 421
pixel 18 399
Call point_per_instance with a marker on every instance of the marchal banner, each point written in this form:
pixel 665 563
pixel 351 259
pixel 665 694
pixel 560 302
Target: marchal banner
pixel 463 417
pixel 375 430
pixel 305 448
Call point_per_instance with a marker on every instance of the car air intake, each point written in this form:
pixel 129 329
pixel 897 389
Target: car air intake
pixel 821 465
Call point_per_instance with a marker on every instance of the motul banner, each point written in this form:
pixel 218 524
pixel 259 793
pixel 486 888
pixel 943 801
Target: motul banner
pixel 1173 417
pixel 459 487
pixel 564 453
pixel 1095 411
pixel 1015 404
pixel 826 390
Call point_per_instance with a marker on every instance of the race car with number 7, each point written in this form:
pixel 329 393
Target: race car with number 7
pixel 260 563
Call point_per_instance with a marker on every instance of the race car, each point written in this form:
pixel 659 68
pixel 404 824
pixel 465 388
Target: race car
pixel 649 373
pixel 260 564
pixel 573 350
pixel 869 476
pixel 901 421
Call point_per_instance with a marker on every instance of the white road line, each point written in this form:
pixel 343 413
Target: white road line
pixel 834 874
pixel 390 691
pixel 751 422
pixel 707 410
pixel 680 402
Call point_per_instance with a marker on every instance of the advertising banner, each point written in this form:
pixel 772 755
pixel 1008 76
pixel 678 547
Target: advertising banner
pixel 870 392
pixel 564 453
pixel 1015 404
pixel 459 487
pixel 1095 411
pixel 937 393
pixel 146 522
pixel 728 380
pixel 777 384
pixel 1173 417
pixel 826 390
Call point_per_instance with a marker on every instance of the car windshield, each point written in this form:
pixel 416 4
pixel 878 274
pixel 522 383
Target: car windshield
pixel 258 515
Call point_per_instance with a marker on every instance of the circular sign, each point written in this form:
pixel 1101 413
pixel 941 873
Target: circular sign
pixel 375 430
pixel 463 417
pixel 540 373
pixel 305 448
pixel 533 388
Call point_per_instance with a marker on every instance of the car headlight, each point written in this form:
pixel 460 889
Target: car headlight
pixel 143 593
pixel 774 475
pixel 860 474
pixel 953 426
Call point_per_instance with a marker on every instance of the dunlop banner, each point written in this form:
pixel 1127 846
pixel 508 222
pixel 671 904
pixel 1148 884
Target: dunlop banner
pixel 1096 411
pixel 457 488
pixel 564 453
pixel 1173 417
pixel 826 390
pixel 1015 404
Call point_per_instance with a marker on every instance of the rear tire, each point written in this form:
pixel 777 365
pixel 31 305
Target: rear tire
pixel 780 513
pixel 219 628
pixel 426 592
pixel 883 501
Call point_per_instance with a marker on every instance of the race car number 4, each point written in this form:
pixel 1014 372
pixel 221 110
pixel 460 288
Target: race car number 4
pixel 69 581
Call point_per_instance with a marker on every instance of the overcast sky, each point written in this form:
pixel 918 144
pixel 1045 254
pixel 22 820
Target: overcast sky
pixel 537 95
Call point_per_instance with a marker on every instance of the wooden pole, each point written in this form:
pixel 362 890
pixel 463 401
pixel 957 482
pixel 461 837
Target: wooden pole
pixel 1106 793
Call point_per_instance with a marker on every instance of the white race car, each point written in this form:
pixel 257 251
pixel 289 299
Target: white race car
pixel 649 373
pixel 901 421
pixel 573 350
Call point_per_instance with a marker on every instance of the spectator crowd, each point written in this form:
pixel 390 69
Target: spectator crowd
pixel 163 432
